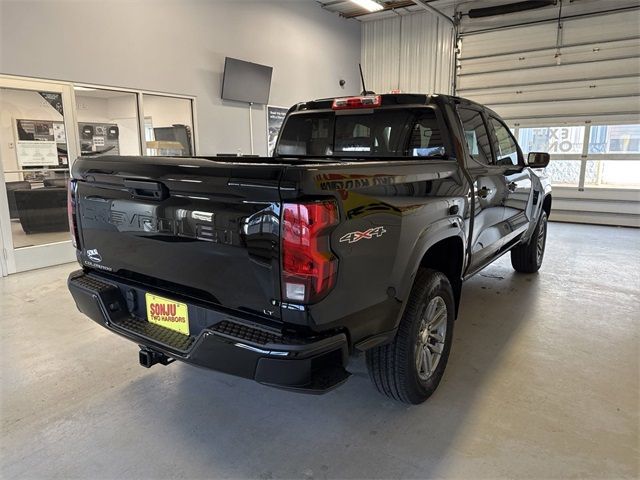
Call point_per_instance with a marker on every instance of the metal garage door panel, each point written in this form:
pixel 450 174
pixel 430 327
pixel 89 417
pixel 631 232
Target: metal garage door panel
pixel 611 87
pixel 601 206
pixel 588 107
pixel 600 28
pixel 594 29
pixel 540 58
pixel 569 8
pixel 508 41
pixel 556 73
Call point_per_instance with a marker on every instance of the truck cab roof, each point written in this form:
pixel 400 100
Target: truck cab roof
pixel 390 99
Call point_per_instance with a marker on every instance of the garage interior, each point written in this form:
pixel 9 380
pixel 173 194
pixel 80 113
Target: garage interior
pixel 543 380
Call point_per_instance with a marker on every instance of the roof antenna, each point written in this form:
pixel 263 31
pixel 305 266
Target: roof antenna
pixel 364 88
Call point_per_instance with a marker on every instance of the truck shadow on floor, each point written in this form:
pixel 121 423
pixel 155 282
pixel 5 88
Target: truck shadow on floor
pixel 235 427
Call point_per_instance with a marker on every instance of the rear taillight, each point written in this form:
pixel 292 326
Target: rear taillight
pixel 368 101
pixel 309 268
pixel 71 213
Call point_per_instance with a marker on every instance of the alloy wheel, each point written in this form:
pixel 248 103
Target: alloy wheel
pixel 431 337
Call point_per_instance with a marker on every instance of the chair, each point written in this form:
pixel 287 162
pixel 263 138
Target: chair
pixel 42 209
pixel 11 188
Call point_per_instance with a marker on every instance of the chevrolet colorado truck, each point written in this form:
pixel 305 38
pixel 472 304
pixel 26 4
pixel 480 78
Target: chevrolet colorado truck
pixel 356 236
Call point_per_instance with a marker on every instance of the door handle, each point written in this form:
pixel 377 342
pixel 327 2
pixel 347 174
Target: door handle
pixel 145 189
pixel 484 192
pixel 512 186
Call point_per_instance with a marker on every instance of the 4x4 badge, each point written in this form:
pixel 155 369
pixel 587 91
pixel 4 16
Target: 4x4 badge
pixel 353 237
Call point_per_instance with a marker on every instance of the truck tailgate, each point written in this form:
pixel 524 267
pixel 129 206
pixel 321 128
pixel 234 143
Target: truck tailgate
pixel 203 228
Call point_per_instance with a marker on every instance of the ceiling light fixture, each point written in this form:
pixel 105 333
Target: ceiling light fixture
pixel 369 5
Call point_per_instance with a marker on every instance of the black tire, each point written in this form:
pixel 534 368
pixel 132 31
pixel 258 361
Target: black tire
pixel 527 258
pixel 393 367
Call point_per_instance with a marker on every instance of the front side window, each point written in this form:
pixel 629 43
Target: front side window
pixel 505 148
pixel 476 135
pixel 379 133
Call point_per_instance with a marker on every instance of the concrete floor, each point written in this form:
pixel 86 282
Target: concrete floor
pixel 543 382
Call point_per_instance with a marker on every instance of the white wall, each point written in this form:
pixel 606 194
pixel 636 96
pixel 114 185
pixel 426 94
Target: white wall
pixel 179 46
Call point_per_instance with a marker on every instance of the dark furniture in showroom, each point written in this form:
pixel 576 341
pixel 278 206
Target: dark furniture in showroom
pixel 42 209
pixel 11 197
pixel 56 182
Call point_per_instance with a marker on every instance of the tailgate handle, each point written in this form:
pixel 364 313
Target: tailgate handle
pixel 145 189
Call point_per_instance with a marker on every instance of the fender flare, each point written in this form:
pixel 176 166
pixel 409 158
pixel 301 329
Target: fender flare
pixel 430 236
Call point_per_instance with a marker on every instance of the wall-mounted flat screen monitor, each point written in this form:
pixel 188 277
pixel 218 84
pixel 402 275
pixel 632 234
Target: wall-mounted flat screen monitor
pixel 246 82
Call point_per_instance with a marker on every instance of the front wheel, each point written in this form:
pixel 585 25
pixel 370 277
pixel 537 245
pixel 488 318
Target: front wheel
pixel 527 258
pixel 410 368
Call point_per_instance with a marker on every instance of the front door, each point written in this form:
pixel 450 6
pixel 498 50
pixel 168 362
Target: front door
pixel 519 200
pixel 37 144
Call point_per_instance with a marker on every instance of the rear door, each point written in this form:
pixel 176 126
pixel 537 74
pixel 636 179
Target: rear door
pixel 518 201
pixel 488 189
pixel 195 227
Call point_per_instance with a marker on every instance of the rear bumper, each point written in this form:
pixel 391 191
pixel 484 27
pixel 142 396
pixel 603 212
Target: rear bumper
pixel 229 344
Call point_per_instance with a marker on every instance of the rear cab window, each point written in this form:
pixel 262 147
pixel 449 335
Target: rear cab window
pixel 387 133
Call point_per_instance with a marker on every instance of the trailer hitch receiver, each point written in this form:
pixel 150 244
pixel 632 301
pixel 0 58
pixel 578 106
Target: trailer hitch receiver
pixel 149 357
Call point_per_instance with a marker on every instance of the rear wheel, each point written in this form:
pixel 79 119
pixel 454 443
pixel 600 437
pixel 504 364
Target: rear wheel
pixel 410 368
pixel 528 258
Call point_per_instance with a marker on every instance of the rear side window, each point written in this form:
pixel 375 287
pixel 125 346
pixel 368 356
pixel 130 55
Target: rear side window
pixel 379 133
pixel 506 148
pixel 476 135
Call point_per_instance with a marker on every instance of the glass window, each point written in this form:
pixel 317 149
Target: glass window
pixel 35 164
pixel 614 139
pixel 168 125
pixel 506 149
pixel 425 138
pixel 107 122
pixel 310 134
pixel 564 172
pixel 476 135
pixel 553 140
pixel 613 173
pixel 382 133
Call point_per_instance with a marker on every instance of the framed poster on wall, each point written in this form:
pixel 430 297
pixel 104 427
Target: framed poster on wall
pixel 34 153
pixel 275 117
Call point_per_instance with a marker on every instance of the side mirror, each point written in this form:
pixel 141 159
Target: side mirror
pixel 538 159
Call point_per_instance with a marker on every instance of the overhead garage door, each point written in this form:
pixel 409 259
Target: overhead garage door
pixel 569 86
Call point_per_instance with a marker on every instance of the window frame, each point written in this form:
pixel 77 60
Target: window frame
pixel 496 141
pixel 417 110
pixel 140 111
pixel 584 156
pixel 483 116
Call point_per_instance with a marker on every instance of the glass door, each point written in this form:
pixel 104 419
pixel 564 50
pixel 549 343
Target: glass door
pixel 38 143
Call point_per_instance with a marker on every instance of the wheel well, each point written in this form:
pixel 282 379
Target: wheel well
pixel 546 205
pixel 446 256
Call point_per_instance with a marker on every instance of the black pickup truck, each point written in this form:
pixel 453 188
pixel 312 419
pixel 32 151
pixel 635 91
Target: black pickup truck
pixel 355 237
